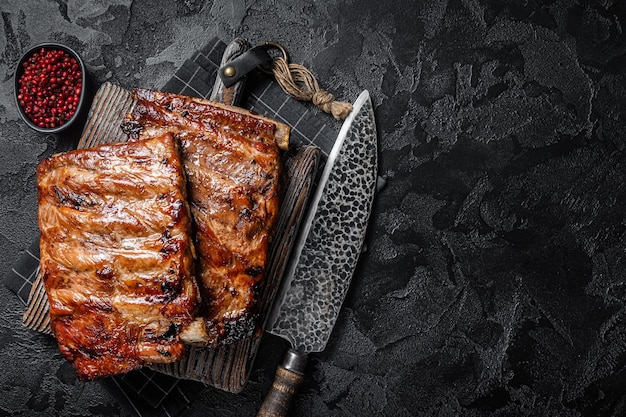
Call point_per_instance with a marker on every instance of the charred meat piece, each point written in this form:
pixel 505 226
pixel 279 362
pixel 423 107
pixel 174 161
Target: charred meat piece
pixel 117 255
pixel 232 161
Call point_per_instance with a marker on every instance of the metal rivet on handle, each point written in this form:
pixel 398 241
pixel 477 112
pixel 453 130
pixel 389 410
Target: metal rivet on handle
pixel 230 71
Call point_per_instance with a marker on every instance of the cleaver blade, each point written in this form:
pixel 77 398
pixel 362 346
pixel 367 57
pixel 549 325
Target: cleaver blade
pixel 326 252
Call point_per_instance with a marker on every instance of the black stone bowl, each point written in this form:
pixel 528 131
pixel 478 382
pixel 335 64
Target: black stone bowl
pixel 82 104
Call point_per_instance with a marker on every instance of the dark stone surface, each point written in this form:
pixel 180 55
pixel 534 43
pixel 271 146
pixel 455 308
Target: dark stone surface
pixel 495 277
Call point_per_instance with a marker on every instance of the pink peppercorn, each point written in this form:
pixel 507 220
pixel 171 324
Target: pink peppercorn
pixel 49 89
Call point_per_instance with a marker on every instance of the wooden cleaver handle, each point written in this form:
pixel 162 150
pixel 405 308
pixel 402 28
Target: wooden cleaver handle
pixel 289 376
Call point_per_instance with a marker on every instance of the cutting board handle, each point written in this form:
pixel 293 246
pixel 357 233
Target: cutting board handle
pixel 230 95
pixel 289 376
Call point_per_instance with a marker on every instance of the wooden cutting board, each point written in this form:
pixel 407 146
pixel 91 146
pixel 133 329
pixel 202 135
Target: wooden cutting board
pixel 228 367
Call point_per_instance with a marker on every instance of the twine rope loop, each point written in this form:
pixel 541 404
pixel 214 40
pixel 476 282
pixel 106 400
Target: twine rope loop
pixel 298 82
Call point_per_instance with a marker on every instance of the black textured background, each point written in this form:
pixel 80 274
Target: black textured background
pixel 494 282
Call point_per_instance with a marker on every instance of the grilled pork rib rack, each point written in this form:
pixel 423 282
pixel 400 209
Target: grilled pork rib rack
pixel 162 241
pixel 231 158
pixel 117 254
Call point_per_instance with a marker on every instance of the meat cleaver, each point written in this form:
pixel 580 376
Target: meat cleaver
pixel 325 253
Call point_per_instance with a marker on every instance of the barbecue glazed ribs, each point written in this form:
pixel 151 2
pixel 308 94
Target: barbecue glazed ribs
pixel 117 254
pixel 231 157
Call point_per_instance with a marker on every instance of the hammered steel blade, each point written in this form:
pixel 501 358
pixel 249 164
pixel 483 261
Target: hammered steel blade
pixel 328 248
